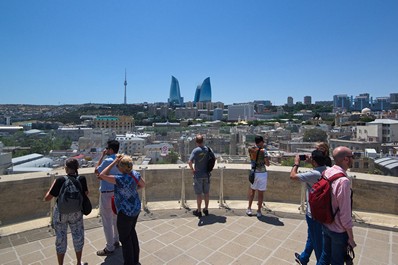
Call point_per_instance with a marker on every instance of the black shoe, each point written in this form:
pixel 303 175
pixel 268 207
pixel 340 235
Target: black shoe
pixel 206 212
pixel 197 213
pixel 297 255
pixel 116 244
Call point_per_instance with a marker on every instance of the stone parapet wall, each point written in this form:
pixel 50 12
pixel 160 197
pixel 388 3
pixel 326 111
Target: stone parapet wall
pixel 22 195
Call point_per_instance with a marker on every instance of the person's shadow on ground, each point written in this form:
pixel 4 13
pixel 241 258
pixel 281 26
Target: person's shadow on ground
pixel 212 219
pixel 272 220
pixel 115 259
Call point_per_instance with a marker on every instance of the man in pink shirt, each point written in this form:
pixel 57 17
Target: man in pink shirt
pixel 338 235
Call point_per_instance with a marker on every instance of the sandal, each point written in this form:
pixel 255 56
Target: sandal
pixel 104 252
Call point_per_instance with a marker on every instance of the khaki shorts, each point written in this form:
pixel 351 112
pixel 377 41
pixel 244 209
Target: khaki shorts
pixel 260 181
pixel 201 185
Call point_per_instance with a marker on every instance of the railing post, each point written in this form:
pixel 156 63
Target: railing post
pixel 356 218
pixel 143 194
pixel 52 202
pixel 183 201
pixel 221 201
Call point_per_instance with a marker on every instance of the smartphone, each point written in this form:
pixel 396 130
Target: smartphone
pixel 303 157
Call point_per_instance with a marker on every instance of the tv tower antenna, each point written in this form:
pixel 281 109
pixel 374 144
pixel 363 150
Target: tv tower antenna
pixel 125 86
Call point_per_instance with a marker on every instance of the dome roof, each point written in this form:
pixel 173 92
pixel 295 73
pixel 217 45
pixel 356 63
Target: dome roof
pixel 365 111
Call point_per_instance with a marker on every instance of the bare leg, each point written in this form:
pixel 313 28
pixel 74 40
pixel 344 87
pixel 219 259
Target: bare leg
pixel 199 201
pixel 79 257
pixel 260 200
pixel 60 258
pixel 207 201
pixel 251 197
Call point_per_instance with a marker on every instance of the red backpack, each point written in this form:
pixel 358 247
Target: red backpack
pixel 320 199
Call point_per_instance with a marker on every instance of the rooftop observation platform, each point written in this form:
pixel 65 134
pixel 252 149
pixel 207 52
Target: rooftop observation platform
pixel 170 234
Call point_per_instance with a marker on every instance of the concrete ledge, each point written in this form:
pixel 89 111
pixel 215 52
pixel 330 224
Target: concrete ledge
pixel 21 195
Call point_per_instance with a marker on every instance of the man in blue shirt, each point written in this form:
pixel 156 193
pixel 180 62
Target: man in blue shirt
pixel 107 191
pixel 201 178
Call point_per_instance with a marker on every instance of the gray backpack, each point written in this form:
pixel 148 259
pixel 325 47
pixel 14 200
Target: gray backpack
pixel 70 198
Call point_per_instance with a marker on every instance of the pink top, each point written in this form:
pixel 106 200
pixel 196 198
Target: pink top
pixel 341 199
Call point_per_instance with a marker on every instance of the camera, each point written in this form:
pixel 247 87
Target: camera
pixel 303 157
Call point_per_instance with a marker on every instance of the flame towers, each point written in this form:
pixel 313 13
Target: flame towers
pixel 175 95
pixel 203 92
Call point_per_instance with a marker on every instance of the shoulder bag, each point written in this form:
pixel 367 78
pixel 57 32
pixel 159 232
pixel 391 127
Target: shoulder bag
pixel 86 205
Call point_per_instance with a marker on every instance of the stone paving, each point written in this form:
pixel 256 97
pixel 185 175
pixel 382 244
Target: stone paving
pixel 226 236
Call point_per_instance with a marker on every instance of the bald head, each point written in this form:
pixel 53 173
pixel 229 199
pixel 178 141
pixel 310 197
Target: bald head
pixel 343 157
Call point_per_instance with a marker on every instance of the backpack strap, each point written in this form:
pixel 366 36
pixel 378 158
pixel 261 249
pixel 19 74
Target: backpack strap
pixel 335 176
pixel 80 184
pixel 330 180
pixel 131 175
pixel 208 154
pixel 255 161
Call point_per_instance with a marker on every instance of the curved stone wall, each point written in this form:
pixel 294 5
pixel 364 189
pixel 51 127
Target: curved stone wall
pixel 21 195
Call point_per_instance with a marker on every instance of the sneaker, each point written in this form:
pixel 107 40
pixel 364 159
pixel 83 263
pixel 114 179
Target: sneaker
pixel 297 258
pixel 206 212
pixel 104 252
pixel 259 214
pixel 249 212
pixel 117 244
pixel 197 213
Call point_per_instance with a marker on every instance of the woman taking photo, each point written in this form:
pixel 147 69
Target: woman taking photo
pixel 128 205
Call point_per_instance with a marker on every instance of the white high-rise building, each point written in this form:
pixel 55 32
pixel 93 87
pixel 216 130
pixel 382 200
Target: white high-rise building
pixel 241 112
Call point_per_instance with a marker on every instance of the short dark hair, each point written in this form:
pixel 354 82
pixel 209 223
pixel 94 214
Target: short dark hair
pixel 258 139
pixel 199 139
pixel 73 164
pixel 114 145
pixel 318 157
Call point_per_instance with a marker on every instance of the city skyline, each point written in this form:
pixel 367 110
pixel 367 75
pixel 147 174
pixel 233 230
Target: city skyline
pixel 56 53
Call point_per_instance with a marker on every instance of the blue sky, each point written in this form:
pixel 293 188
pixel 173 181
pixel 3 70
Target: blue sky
pixel 72 52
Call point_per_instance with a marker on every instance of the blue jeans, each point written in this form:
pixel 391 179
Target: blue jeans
pixel 334 247
pixel 314 241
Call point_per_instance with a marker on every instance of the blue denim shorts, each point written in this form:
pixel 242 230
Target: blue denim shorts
pixel 201 185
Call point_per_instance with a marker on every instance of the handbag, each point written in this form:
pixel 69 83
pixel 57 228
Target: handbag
pixel 86 206
pixel 252 175
pixel 252 172
pixel 113 197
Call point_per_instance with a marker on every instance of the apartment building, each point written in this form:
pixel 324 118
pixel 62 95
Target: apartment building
pixel 118 124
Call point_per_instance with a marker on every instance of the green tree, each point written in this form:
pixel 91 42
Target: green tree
pixel 171 158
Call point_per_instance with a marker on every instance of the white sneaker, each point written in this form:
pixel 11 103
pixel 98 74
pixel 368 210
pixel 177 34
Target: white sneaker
pixel 249 212
pixel 259 214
